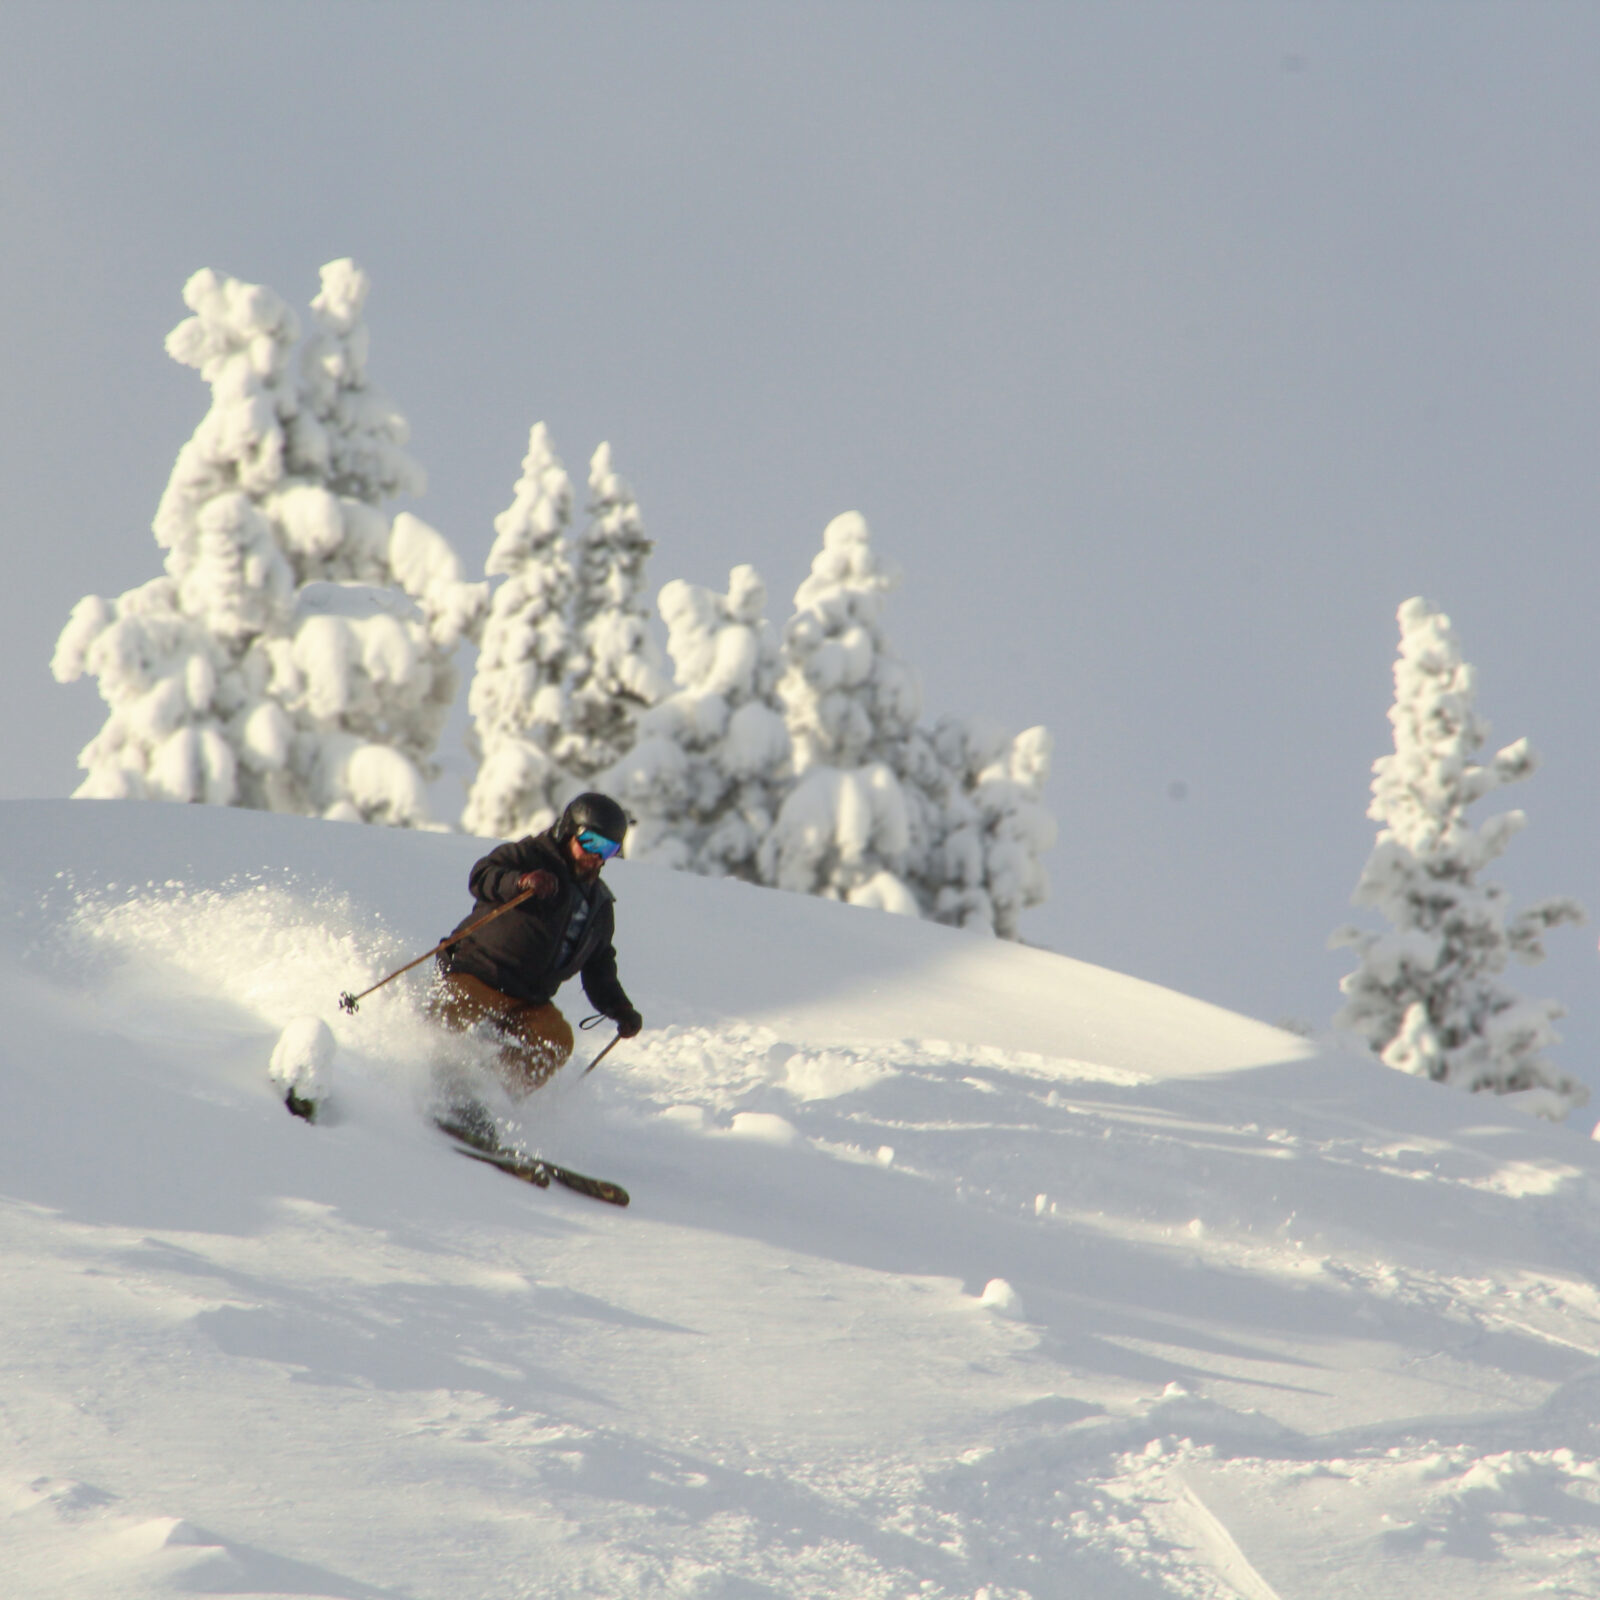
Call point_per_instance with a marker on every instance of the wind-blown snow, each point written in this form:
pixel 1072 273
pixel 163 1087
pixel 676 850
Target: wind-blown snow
pixel 953 1268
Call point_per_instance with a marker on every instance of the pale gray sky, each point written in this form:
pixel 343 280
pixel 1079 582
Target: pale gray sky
pixel 1167 348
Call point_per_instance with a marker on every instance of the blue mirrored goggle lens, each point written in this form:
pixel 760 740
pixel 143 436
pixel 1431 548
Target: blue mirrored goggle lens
pixel 598 845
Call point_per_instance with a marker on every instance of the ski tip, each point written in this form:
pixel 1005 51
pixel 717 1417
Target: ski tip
pixel 300 1107
pixel 596 1188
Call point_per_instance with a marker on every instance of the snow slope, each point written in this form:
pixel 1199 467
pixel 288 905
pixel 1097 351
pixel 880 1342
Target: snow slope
pixel 953 1268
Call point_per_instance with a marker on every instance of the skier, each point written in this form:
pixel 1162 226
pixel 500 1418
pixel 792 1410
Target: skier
pixel 506 976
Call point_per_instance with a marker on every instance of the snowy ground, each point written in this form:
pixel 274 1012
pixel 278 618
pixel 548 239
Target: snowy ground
pixel 953 1269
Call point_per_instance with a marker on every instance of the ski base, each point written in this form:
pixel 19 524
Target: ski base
pixel 474 1142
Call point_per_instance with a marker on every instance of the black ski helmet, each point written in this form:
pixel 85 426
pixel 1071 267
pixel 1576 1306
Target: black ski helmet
pixel 597 811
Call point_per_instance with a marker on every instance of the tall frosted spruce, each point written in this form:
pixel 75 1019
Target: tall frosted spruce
pixel 518 696
pixel 619 670
pixel 296 654
pixel 843 830
pixel 945 822
pixel 1426 994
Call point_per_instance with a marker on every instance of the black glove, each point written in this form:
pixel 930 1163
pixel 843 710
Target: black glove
pixel 628 1022
pixel 541 882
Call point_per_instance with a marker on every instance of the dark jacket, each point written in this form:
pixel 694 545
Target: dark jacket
pixel 516 953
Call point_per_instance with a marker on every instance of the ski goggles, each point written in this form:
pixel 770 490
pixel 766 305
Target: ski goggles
pixel 596 844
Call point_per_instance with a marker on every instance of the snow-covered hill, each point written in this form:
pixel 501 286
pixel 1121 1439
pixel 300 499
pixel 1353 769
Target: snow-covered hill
pixel 953 1268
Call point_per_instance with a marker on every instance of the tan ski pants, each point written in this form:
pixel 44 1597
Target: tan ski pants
pixel 537 1038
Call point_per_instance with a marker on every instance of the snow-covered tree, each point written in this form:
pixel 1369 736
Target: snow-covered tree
pixel 843 830
pixel 348 434
pixel 173 657
pixel 948 822
pixel 978 799
pixel 711 762
pixel 518 695
pixel 367 679
pixel 168 684
pixel 1017 828
pixel 619 669
pixel 1426 994
pixel 296 656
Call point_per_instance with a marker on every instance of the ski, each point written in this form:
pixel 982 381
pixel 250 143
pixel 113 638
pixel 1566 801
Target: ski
pixel 482 1146
pixel 536 1170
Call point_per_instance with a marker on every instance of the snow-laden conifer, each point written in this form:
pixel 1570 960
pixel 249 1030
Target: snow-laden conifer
pixel 175 657
pixel 1008 795
pixel 977 797
pixel 711 762
pixel 348 435
pixel 618 668
pixel 518 695
pixel 1426 995
pixel 168 685
pixel 295 657
pixel 843 830
pixel 367 678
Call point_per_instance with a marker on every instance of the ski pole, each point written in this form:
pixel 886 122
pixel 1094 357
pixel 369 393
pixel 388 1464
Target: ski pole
pixel 347 1001
pixel 601 1057
pixel 594 1021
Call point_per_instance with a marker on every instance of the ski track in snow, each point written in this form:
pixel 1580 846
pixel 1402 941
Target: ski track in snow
pixel 1254 1336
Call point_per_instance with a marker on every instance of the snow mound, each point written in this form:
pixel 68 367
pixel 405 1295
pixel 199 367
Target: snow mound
pixel 998 1296
pixel 1244 1303
pixel 302 1059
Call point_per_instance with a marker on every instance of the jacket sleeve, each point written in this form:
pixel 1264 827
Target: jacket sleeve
pixel 494 878
pixel 600 975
